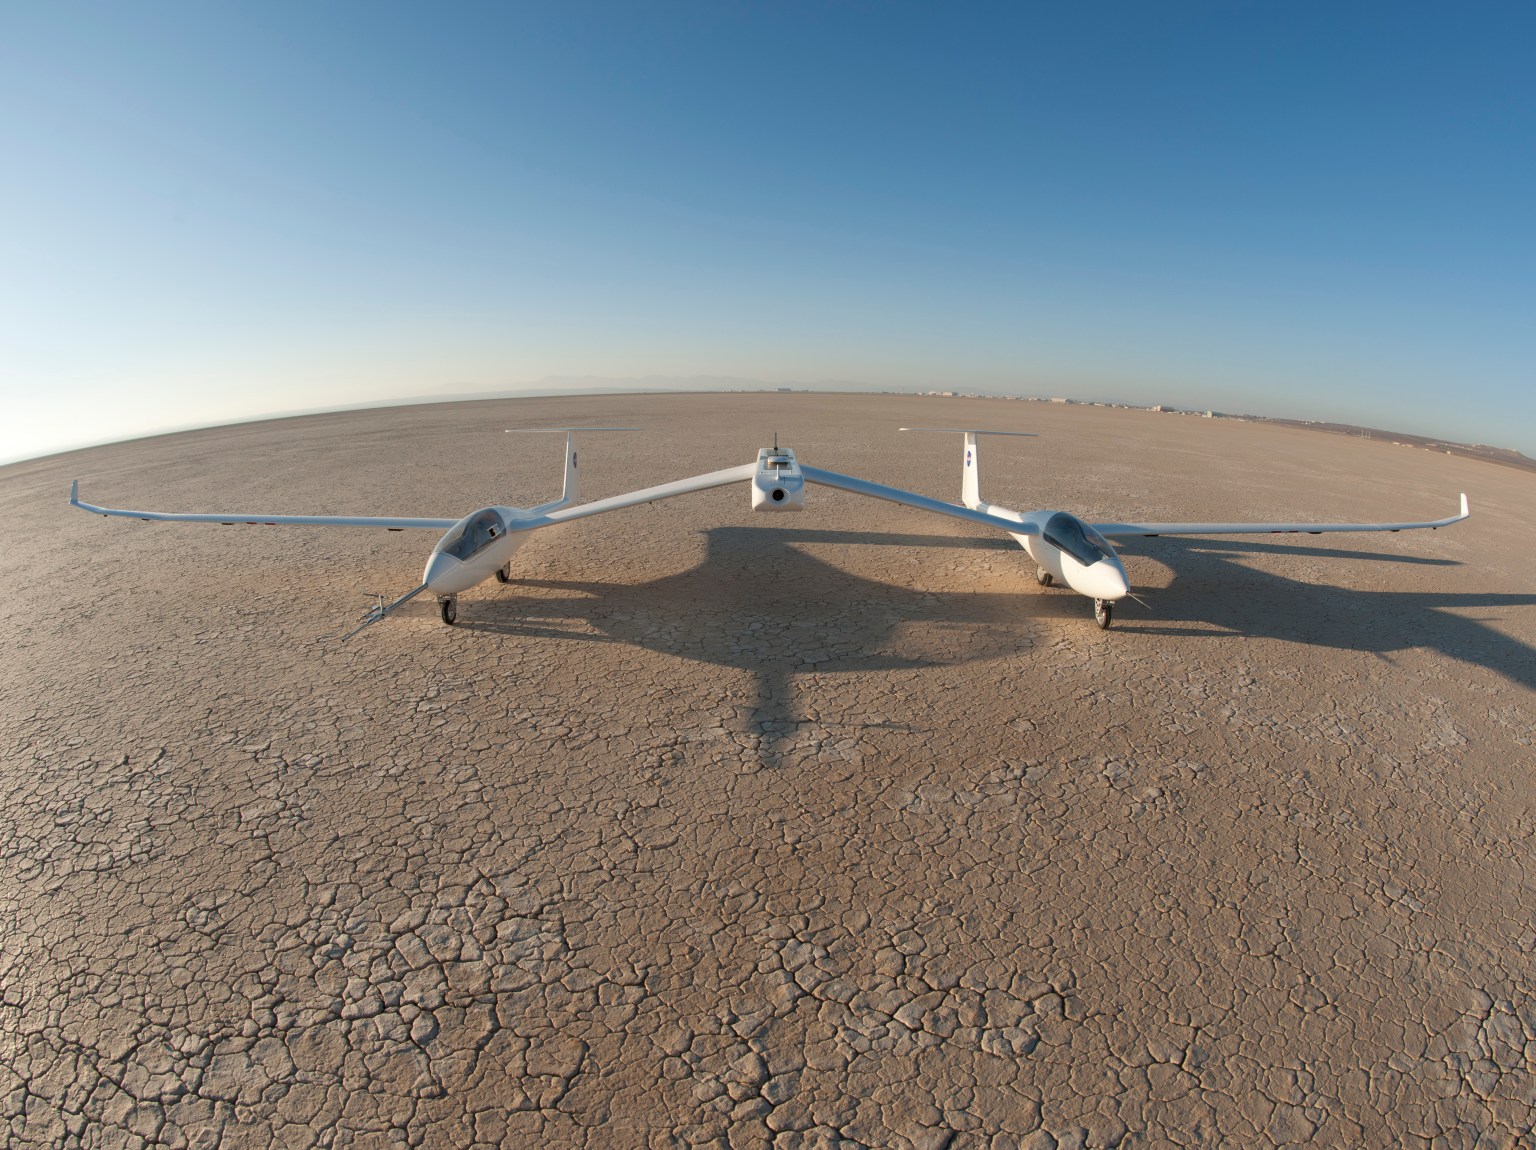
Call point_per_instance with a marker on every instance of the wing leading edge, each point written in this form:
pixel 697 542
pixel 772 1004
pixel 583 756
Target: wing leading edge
pixel 911 499
pixel 389 523
pixel 703 482
pixel 1273 528
pixel 746 471
pixel 535 520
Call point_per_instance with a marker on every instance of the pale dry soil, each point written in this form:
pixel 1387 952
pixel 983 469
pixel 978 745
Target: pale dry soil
pixel 804 831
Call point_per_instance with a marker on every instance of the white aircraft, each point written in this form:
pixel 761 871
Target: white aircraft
pixel 482 543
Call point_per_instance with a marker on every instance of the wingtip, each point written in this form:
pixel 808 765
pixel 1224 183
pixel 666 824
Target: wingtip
pixel 1466 509
pixel 74 493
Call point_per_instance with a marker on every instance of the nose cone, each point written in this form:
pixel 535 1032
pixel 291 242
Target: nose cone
pixel 444 575
pixel 1104 580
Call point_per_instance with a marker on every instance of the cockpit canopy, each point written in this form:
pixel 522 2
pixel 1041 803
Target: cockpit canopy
pixel 1070 534
pixel 473 534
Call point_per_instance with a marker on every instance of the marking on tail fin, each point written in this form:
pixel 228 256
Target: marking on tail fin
pixel 570 490
pixel 970 473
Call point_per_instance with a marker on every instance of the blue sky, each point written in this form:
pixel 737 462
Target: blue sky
pixel 212 212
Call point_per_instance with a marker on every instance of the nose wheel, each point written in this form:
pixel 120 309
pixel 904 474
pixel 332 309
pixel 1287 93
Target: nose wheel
pixel 504 574
pixel 1044 577
pixel 1103 611
pixel 450 609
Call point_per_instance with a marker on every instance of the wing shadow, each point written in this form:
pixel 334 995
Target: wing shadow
pixel 759 603
pixel 1211 586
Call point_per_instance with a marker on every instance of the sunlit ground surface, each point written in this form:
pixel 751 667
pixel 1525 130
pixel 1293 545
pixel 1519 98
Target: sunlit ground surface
pixel 811 830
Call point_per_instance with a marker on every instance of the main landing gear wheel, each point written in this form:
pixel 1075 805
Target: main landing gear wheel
pixel 1044 577
pixel 504 574
pixel 450 609
pixel 1103 610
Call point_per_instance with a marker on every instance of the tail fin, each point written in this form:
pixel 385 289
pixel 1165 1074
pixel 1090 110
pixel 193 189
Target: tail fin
pixel 570 487
pixel 970 478
pixel 970 475
pixel 570 490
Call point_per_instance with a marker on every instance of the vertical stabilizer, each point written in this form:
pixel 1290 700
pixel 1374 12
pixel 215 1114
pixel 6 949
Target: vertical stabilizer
pixel 570 489
pixel 970 478
pixel 970 474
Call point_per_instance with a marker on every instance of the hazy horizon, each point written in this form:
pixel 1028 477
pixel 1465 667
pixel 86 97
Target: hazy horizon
pixel 662 385
pixel 222 213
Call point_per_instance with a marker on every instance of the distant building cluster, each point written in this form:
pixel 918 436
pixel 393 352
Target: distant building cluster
pixel 1497 455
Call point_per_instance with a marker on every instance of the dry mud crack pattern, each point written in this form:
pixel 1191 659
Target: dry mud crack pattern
pixel 716 829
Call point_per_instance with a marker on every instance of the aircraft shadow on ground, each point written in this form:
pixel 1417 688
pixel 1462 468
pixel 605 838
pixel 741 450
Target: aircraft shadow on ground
pixel 759 603
pixel 1214 588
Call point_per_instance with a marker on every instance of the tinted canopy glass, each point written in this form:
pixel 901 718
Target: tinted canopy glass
pixel 1076 538
pixel 478 530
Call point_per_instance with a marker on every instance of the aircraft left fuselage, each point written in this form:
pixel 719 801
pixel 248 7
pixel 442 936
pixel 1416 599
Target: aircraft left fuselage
pixel 1068 551
pixel 474 549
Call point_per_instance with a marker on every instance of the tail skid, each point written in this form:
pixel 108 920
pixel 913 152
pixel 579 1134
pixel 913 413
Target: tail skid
pixel 970 475
pixel 570 490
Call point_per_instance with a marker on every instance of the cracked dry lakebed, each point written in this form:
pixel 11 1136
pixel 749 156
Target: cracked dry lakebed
pixel 716 828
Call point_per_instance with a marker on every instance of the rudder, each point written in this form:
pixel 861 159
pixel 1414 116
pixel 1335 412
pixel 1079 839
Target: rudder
pixel 570 488
pixel 970 474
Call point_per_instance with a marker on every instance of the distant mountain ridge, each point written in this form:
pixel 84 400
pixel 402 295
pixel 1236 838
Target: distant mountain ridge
pixel 1504 456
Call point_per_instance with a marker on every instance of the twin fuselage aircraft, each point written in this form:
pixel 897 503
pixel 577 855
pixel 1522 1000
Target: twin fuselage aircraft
pixel 481 545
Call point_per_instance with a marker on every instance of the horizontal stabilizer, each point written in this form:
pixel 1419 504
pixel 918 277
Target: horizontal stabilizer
pixel 971 431
pixel 970 474
pixel 570 489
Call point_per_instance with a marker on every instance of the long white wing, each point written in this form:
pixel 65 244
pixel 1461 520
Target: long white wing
pixel 268 520
pixel 911 499
pixel 740 474
pixel 1271 528
pixel 746 471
